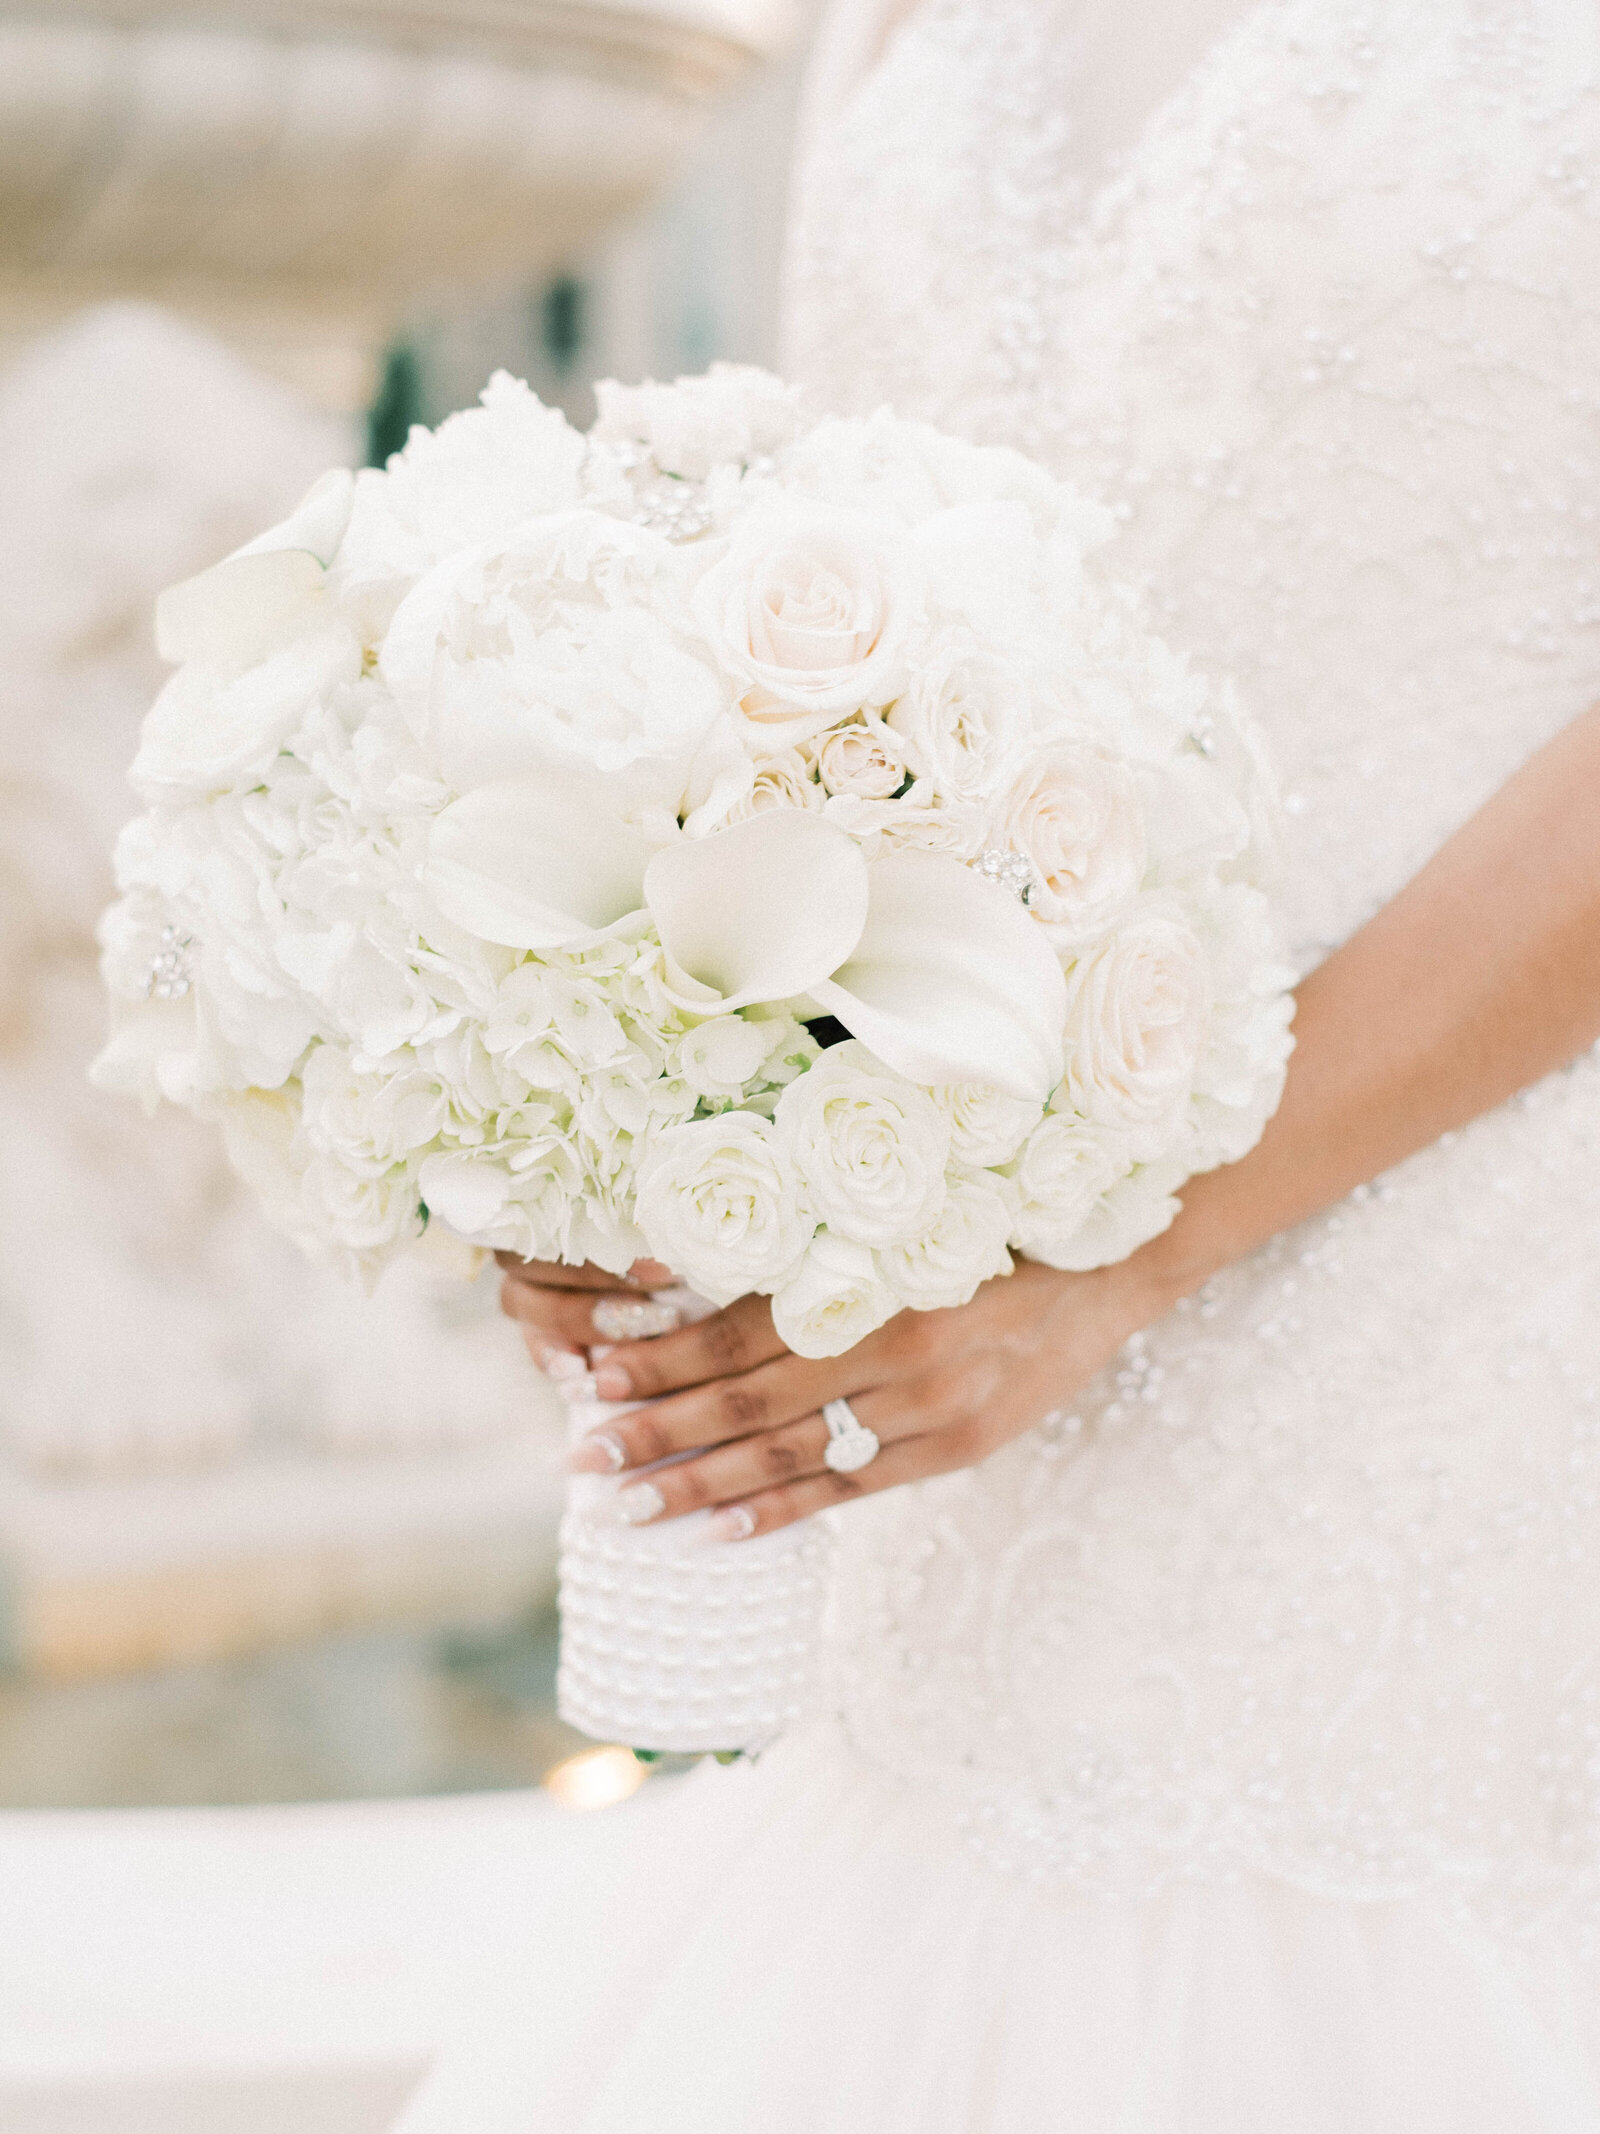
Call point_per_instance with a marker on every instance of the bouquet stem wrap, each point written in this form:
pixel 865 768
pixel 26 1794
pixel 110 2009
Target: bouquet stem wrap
pixel 671 1640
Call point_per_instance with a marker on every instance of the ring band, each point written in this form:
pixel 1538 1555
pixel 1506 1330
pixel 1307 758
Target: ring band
pixel 851 1445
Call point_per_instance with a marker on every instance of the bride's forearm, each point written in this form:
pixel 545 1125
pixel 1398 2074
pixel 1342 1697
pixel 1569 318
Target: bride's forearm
pixel 1480 977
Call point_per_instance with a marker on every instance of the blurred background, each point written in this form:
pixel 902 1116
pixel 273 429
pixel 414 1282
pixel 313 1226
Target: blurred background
pixel 263 1538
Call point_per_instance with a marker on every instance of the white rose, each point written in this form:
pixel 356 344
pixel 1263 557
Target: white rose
pixel 871 1147
pixel 720 1201
pixel 735 413
pixel 864 759
pixel 721 1057
pixel 835 1298
pixel 568 645
pixel 781 781
pixel 364 1215
pixel 1127 1215
pixel 808 612
pixel 1075 815
pixel 1137 1009
pixel 207 729
pixel 963 716
pixel 1064 1169
pixel 986 1126
pixel 965 1245
pixel 920 821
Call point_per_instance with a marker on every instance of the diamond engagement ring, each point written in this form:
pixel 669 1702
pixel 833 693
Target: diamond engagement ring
pixel 633 1318
pixel 851 1445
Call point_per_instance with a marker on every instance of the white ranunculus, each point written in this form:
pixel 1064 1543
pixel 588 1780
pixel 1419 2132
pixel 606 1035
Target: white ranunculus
pixel 963 1246
pixel 1064 1169
pixel 209 730
pixel 835 1298
pixel 734 414
pixel 720 1201
pixel 1074 813
pixel 722 1056
pixel 870 1146
pixel 964 715
pixel 567 645
pixel 986 1126
pixel 864 758
pixel 1136 1017
pixel 808 612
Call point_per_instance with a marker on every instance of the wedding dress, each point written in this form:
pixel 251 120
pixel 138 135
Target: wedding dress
pixel 1224 1756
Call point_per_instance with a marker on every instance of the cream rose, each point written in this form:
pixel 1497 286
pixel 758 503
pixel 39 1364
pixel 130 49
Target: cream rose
pixel 962 717
pixel 1063 1170
pixel 835 1298
pixel 864 759
pixel 870 1147
pixel 986 1126
pixel 1128 1214
pixel 720 1201
pixel 807 611
pixel 1136 1017
pixel 964 1246
pixel 1074 814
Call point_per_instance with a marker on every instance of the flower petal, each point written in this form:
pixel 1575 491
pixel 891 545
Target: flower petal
pixel 535 862
pixel 236 611
pixel 952 981
pixel 763 910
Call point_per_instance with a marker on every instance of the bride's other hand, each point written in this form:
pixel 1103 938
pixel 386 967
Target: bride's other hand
pixel 554 1305
pixel 941 1389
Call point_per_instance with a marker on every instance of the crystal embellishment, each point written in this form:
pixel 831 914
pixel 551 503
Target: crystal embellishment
pixel 1009 870
pixel 171 972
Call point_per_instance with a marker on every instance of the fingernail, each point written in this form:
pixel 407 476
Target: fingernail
pixel 633 1318
pixel 562 1363
pixel 641 1504
pixel 649 1274
pixel 735 1522
pixel 612 1383
pixel 601 1453
pixel 576 1391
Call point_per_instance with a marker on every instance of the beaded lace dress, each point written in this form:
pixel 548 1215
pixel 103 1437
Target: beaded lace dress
pixel 1223 1757
pixel 1311 1582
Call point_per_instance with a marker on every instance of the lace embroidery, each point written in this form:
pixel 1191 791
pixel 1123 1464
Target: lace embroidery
pixel 1308 1584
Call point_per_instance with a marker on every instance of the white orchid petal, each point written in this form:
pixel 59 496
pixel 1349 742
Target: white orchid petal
pixel 761 911
pixel 535 862
pixel 952 981
pixel 234 612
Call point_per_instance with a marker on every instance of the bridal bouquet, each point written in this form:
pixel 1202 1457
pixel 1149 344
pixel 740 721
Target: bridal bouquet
pixel 769 846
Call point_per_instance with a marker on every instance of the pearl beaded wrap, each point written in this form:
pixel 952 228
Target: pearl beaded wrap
pixel 671 1640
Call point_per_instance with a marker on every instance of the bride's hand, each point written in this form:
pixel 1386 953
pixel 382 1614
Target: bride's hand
pixel 941 1389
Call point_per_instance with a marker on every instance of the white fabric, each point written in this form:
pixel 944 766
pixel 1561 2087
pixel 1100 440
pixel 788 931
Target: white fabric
pixel 1298 1606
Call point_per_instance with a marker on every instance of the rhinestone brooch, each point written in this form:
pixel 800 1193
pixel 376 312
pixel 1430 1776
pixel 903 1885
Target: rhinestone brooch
pixel 1009 871
pixel 171 971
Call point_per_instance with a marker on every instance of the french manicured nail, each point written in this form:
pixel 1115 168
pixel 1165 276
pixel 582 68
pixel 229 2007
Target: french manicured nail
pixel 611 1382
pixel 576 1391
pixel 735 1522
pixel 641 1504
pixel 649 1274
pixel 562 1363
pixel 601 1453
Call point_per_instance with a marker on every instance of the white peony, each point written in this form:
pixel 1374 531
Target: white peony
pixel 1074 813
pixel 964 1246
pixel 808 612
pixel 870 1146
pixel 1136 1019
pixel 720 1202
pixel 835 1298
pixel 567 646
